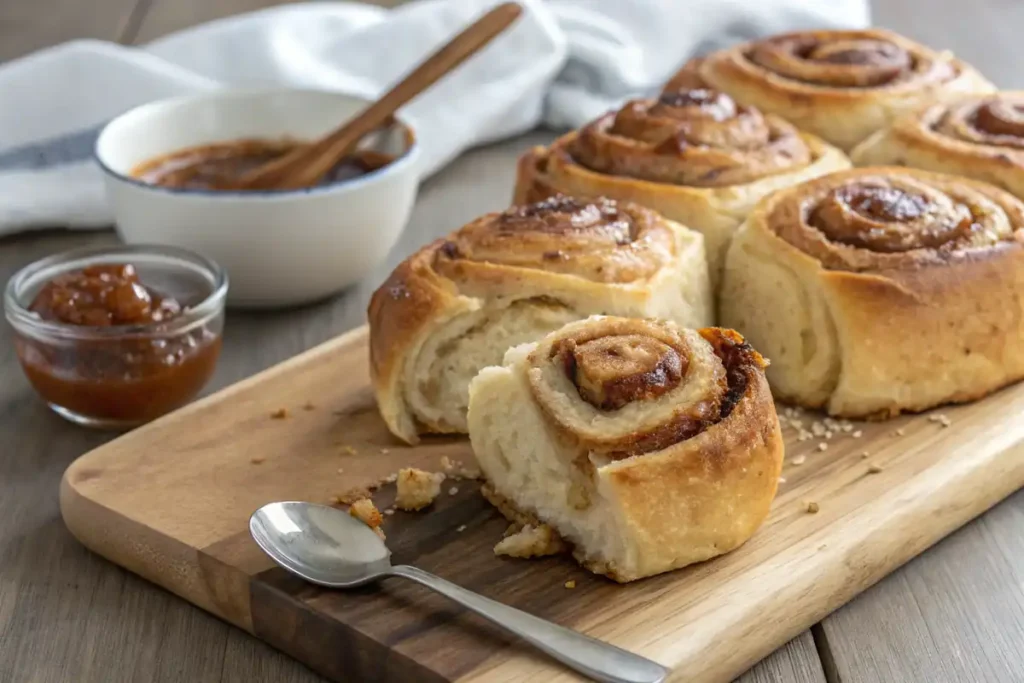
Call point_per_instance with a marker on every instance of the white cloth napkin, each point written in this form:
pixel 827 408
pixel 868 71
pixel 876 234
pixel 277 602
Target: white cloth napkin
pixel 562 63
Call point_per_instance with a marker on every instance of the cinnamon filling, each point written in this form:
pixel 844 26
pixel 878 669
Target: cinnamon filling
pixel 885 218
pixel 598 239
pixel 611 372
pixel 563 215
pixel 693 136
pixel 854 61
pixel 996 121
pixel 1000 118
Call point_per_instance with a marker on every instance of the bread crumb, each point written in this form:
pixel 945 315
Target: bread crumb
pixel 818 429
pixel 447 464
pixel 530 541
pixel 828 433
pixel 453 490
pixel 279 414
pixel 391 478
pixel 258 460
pixel 334 500
pixel 898 432
pixel 798 460
pixel 804 435
pixel 874 469
pixel 417 489
pixel 462 527
pixel 864 454
pixel 782 480
pixel 466 473
pixel 797 424
pixel 857 434
pixel 384 451
pixel 341 470
pixel 813 507
pixel 349 450
pixel 570 584
pixel 847 427
pixel 308 405
pixel 822 446
pixel 389 511
pixel 366 512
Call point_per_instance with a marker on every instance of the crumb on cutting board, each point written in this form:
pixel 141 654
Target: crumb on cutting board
pixel 813 507
pixel 570 583
pixel 366 512
pixel 308 405
pixel 530 541
pixel 279 414
pixel 257 460
pixel 416 489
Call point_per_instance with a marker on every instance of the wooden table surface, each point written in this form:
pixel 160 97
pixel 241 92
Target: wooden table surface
pixel 955 613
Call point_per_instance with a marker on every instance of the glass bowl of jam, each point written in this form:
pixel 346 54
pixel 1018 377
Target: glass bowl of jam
pixel 117 336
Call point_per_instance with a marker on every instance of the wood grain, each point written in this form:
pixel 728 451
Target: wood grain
pixel 67 615
pixel 170 501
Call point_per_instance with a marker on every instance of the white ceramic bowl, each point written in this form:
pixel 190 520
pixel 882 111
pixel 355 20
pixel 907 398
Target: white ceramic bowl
pixel 279 247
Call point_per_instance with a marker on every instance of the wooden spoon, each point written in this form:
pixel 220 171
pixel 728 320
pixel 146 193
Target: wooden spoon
pixel 306 165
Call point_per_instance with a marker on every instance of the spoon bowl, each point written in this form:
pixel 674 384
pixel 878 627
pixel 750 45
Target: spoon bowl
pixel 320 545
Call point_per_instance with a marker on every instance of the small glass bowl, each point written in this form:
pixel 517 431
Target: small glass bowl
pixel 122 376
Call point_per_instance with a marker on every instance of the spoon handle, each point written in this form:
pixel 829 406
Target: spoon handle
pixel 600 661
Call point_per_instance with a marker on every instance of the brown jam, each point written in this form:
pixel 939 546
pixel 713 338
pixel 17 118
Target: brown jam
pixel 129 377
pixel 201 168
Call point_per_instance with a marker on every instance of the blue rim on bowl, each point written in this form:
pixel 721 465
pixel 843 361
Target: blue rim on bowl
pixel 407 157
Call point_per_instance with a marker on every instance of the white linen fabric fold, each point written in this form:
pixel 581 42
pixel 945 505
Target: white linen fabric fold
pixel 562 63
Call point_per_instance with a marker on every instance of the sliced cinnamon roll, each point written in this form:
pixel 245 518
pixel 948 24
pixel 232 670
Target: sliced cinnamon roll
pixel 647 446
pixel 507 278
pixel 693 154
pixel 882 290
pixel 840 85
pixel 980 137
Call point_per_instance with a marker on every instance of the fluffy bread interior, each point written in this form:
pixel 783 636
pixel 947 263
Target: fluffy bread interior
pixel 526 461
pixel 438 390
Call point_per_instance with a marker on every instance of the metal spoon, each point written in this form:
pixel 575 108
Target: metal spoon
pixel 327 546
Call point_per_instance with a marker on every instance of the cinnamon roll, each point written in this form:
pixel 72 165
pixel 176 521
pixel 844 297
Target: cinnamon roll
pixel 507 278
pixel 840 85
pixel 647 446
pixel 980 136
pixel 693 154
pixel 881 290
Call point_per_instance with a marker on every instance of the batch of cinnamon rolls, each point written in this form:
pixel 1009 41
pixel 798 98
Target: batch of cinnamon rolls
pixel 828 217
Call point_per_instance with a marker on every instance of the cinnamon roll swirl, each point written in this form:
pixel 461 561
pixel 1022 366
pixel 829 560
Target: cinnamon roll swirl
pixel 693 154
pixel 507 278
pixel 645 445
pixel 980 137
pixel 881 290
pixel 840 85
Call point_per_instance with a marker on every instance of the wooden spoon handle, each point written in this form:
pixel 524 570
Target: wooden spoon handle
pixel 307 165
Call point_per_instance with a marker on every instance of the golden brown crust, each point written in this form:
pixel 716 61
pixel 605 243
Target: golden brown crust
pixel 891 290
pixel 563 258
pixel 663 502
pixel 692 154
pixel 981 137
pixel 726 477
pixel 840 85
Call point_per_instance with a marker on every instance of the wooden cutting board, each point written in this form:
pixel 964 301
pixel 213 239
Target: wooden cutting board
pixel 171 502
